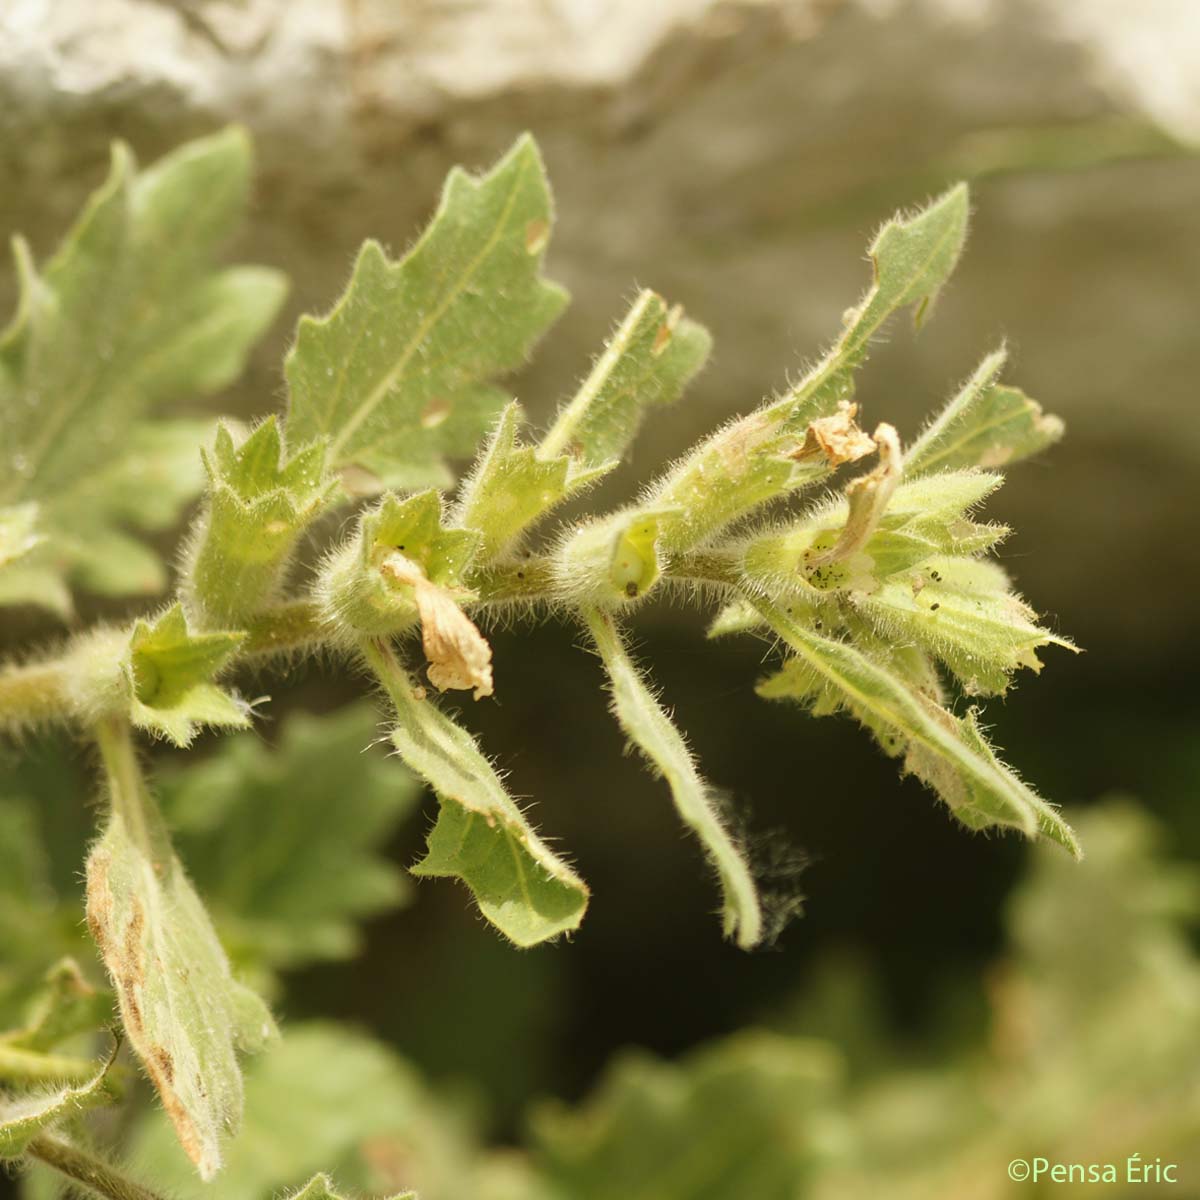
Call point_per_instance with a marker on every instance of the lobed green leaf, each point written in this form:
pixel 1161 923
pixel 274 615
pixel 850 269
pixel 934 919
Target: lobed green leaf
pixel 481 836
pixel 400 373
pixel 128 314
pixel 913 257
pixel 738 1119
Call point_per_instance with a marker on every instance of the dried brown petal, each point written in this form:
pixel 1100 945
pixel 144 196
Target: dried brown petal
pixel 868 497
pixel 459 655
pixel 837 437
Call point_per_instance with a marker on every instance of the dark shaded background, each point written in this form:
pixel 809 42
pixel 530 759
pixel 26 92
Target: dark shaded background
pixel 759 230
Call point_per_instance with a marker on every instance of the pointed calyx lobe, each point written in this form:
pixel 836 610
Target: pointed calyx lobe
pixel 129 314
pixel 401 373
pixel 170 671
pixel 260 499
pixel 514 486
pixel 647 362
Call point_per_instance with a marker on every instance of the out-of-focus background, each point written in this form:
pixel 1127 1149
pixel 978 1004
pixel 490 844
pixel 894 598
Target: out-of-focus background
pixel 737 157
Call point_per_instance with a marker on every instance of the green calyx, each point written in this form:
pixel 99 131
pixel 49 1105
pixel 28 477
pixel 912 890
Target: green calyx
pixel 369 585
pixel 260 500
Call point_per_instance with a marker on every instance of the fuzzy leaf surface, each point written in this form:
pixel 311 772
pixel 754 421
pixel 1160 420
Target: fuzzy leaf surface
pixel 23 1119
pixel 987 424
pixel 481 836
pixel 965 614
pixel 183 1012
pixel 514 486
pixel 321 1098
pixel 648 726
pixel 757 458
pixel 286 883
pixel 648 361
pixel 400 373
pixel 945 753
pixel 129 313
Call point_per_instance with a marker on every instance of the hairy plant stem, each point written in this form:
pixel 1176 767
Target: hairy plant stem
pixel 705 566
pixel 384 666
pixel 85 1170
pixel 531 579
pixel 18 1065
pixel 34 693
pixel 127 788
pixel 40 692
pixel 298 625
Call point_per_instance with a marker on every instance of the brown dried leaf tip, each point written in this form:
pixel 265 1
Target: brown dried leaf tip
pixel 459 655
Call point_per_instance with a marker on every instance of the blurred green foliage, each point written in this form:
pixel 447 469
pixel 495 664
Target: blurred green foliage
pixel 1089 1055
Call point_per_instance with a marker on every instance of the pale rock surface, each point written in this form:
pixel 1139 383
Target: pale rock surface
pixel 736 156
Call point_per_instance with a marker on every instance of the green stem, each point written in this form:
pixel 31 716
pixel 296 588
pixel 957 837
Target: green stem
pixel 706 566
pixel 18 1065
pixel 34 694
pixel 131 804
pixel 41 692
pixel 385 667
pixel 295 626
pixel 529 580
pixel 85 1170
